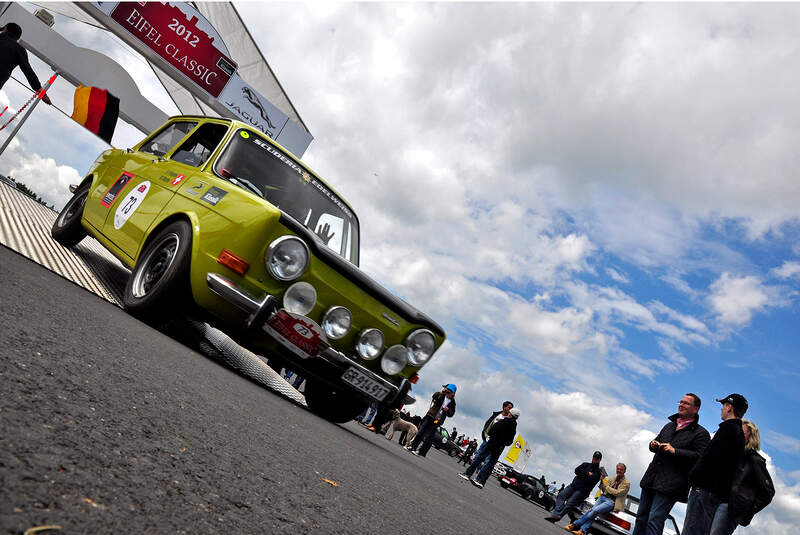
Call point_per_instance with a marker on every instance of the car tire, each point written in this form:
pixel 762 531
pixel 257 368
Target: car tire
pixel 332 405
pixel 67 229
pixel 453 452
pixel 504 485
pixel 159 284
pixel 526 494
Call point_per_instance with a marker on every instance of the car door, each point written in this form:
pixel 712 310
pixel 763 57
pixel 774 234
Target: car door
pixel 147 181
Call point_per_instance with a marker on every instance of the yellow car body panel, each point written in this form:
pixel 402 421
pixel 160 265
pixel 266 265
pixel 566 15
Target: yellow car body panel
pixel 136 192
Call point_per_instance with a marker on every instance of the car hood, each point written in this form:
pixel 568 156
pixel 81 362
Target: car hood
pixel 359 278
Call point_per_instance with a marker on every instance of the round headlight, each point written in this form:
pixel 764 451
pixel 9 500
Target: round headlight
pixel 336 322
pixel 421 345
pixel 286 258
pixel 394 359
pixel 370 343
pixel 300 298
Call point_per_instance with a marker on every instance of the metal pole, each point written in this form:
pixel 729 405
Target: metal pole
pixel 39 95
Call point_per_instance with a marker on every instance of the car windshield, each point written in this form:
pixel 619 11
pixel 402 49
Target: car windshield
pixel 259 167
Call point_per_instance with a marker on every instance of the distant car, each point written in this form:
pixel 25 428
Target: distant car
pixel 442 441
pixel 619 523
pixel 529 487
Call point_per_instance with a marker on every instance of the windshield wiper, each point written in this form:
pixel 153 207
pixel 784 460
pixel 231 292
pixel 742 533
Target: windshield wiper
pixel 230 177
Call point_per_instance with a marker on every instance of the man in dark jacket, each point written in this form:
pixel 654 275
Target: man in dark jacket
pixel 587 476
pixel 712 475
pixel 12 55
pixel 666 480
pixel 752 488
pixel 500 435
pixel 443 404
pixel 496 417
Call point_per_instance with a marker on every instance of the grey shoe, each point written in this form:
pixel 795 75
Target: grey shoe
pixel 479 485
pixel 464 476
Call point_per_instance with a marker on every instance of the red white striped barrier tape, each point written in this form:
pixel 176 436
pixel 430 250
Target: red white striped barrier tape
pixel 39 94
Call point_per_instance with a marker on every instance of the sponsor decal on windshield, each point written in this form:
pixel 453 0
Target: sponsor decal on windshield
pixel 304 176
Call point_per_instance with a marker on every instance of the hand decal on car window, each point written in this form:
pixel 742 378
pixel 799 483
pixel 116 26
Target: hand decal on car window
pixel 324 233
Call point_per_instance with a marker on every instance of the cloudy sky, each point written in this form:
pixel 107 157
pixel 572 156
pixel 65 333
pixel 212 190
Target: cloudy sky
pixel 599 202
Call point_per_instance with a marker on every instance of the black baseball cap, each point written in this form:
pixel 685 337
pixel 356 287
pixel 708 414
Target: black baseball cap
pixel 597 455
pixel 738 401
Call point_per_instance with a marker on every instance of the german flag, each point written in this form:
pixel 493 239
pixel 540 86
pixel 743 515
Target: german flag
pixel 97 110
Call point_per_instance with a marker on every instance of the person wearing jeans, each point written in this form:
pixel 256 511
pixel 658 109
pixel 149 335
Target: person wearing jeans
pixel 500 435
pixel 613 498
pixel 712 476
pixel 666 480
pixel 587 476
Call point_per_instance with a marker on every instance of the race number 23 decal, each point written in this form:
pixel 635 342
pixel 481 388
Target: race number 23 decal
pixel 128 205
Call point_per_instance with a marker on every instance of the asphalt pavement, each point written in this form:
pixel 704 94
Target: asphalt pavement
pixel 109 426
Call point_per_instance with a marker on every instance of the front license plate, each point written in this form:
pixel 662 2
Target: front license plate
pixel 366 384
pixel 298 334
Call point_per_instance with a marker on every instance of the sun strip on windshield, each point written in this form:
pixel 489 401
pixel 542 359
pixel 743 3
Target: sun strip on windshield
pixel 305 176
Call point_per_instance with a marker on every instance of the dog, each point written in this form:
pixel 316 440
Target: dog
pixel 398 424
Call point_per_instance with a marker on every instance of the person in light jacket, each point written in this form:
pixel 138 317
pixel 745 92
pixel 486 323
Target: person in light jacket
pixel 752 488
pixel 613 497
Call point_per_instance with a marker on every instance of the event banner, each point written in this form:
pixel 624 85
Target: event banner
pixel 182 37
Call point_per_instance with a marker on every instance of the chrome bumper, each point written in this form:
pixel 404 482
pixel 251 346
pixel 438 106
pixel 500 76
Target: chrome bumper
pixel 260 309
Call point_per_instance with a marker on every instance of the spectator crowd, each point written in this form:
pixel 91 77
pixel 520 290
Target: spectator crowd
pixel 723 480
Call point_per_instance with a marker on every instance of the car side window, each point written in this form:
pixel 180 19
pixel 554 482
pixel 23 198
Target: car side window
pixel 163 142
pixel 200 145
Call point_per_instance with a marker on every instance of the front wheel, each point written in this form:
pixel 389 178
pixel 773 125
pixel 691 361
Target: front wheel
pixel 526 494
pixel 453 452
pixel 67 229
pixel 333 405
pixel 159 284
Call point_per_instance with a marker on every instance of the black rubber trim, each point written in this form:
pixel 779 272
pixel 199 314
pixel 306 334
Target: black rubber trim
pixel 359 278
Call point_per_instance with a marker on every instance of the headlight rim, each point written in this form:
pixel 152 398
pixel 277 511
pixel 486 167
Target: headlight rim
pixel 384 360
pixel 269 254
pixel 364 333
pixel 330 310
pixel 411 357
pixel 294 285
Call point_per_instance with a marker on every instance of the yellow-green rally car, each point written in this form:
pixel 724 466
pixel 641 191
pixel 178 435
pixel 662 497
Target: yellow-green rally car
pixel 209 212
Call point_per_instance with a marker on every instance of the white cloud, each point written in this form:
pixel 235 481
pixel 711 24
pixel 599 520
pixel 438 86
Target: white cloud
pixel 617 276
pixel 787 270
pixel 736 299
pixel 781 442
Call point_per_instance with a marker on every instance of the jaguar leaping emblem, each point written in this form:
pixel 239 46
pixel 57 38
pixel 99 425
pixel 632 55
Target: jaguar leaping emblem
pixel 253 99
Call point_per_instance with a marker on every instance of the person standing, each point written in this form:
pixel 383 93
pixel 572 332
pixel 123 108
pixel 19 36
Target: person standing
pixel 466 456
pixel 496 417
pixel 500 435
pixel 712 476
pixel 13 55
pixel 613 497
pixel 586 477
pixel 752 488
pixel 443 404
pixel 666 480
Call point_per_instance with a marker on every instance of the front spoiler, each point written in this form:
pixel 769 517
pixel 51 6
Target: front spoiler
pixel 259 310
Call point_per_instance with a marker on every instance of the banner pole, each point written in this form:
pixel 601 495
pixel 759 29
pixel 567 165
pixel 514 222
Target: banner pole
pixel 39 96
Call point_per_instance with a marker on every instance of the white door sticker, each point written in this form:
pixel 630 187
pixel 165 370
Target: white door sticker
pixel 129 204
